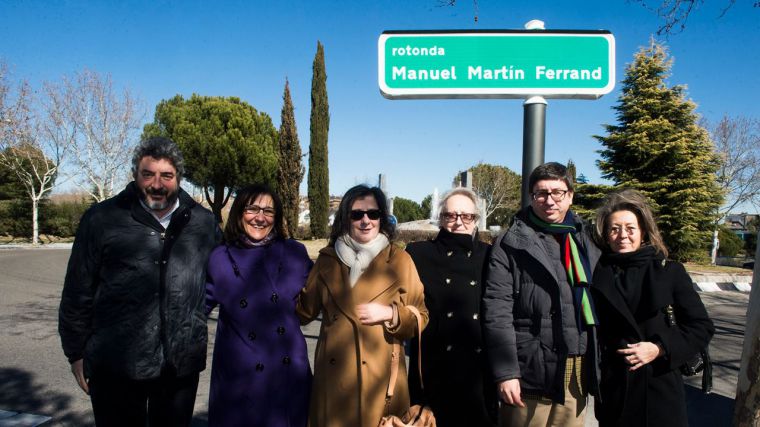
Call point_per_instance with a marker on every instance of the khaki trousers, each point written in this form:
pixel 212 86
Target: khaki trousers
pixel 542 412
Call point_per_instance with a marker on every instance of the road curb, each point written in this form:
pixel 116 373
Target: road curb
pixel 721 282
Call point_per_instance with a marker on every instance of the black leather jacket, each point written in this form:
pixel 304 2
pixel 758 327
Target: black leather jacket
pixel 134 294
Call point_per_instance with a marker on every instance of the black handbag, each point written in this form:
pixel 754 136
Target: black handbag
pixel 694 365
pixel 700 362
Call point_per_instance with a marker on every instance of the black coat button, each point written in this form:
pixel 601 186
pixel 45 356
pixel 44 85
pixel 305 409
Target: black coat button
pixel 259 367
pixel 286 360
pixel 332 361
pixel 243 303
pixel 252 336
pixel 334 317
pixel 274 297
pixel 281 330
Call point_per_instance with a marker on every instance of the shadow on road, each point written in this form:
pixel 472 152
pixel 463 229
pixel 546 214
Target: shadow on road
pixel 21 393
pixel 200 420
pixel 708 410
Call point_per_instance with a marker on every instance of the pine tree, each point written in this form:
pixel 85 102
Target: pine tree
pixel 226 143
pixel 319 188
pixel 571 170
pixel 658 148
pixel 290 170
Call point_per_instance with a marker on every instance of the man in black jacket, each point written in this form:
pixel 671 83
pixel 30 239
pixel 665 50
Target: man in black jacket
pixel 132 319
pixel 538 319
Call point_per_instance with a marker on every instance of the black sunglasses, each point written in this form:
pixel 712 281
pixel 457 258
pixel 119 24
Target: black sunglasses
pixel 372 214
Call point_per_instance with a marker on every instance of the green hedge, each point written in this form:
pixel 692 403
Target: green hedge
pixel 16 218
pixel 409 236
pixel 63 218
pixel 55 219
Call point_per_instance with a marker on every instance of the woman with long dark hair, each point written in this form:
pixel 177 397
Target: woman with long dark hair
pixel 651 320
pixel 362 284
pixel 260 374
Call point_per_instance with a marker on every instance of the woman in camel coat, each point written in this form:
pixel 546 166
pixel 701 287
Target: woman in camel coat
pixel 361 284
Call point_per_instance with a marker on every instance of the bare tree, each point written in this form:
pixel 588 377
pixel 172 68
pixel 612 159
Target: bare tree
pixel 497 186
pixel 675 13
pixel 106 124
pixel 737 142
pixel 31 146
pixel 444 3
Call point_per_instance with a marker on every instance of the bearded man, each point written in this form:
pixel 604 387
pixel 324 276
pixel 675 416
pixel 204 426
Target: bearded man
pixel 131 319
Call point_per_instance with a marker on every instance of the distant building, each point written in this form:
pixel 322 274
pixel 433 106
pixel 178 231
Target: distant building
pixel 303 210
pixel 739 224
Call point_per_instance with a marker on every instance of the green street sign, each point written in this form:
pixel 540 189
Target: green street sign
pixel 496 64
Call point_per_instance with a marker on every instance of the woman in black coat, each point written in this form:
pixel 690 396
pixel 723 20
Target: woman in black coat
pixel 454 375
pixel 642 344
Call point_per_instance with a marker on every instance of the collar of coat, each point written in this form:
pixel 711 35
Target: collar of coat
pixel 656 292
pixel 129 198
pixel 521 236
pixel 447 240
pixel 380 277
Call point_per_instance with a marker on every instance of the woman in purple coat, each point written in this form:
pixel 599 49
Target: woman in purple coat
pixel 260 374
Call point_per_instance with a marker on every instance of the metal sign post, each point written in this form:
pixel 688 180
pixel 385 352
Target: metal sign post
pixel 534 141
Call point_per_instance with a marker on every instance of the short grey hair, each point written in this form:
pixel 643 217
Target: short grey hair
pixel 459 191
pixel 159 147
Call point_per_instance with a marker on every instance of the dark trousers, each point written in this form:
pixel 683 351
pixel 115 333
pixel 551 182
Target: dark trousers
pixel 165 401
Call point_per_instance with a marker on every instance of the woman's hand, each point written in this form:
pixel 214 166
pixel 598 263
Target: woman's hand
pixel 374 313
pixel 640 353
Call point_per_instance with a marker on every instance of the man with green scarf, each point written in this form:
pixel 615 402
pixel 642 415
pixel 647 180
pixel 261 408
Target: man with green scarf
pixel 538 316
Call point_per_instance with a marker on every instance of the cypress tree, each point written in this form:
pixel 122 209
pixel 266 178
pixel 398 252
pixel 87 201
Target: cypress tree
pixel 658 148
pixel 319 185
pixel 290 170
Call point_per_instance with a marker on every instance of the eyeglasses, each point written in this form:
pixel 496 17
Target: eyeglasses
pixel 373 214
pixel 616 231
pixel 542 196
pixel 255 210
pixel 466 218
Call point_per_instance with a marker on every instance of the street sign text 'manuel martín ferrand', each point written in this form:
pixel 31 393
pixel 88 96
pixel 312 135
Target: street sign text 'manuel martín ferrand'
pixel 496 64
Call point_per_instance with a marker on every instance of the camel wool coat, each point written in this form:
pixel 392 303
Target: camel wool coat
pixel 352 362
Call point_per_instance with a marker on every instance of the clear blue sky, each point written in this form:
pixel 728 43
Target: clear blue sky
pixel 248 48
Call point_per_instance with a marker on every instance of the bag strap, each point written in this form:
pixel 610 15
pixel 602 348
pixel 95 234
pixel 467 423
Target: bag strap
pixel 706 371
pixel 396 354
pixel 418 315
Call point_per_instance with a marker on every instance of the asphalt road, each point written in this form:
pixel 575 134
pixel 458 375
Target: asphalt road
pixel 35 376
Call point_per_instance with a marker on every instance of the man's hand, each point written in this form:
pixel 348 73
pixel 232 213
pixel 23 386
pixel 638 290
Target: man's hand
pixel 509 392
pixel 77 368
pixel 374 313
pixel 639 354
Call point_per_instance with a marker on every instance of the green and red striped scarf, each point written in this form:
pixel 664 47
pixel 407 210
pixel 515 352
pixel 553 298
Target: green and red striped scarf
pixel 575 260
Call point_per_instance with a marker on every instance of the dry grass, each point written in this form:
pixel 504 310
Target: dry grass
pixel 313 246
pixel 707 268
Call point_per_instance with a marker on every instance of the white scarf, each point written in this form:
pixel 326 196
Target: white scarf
pixel 357 256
